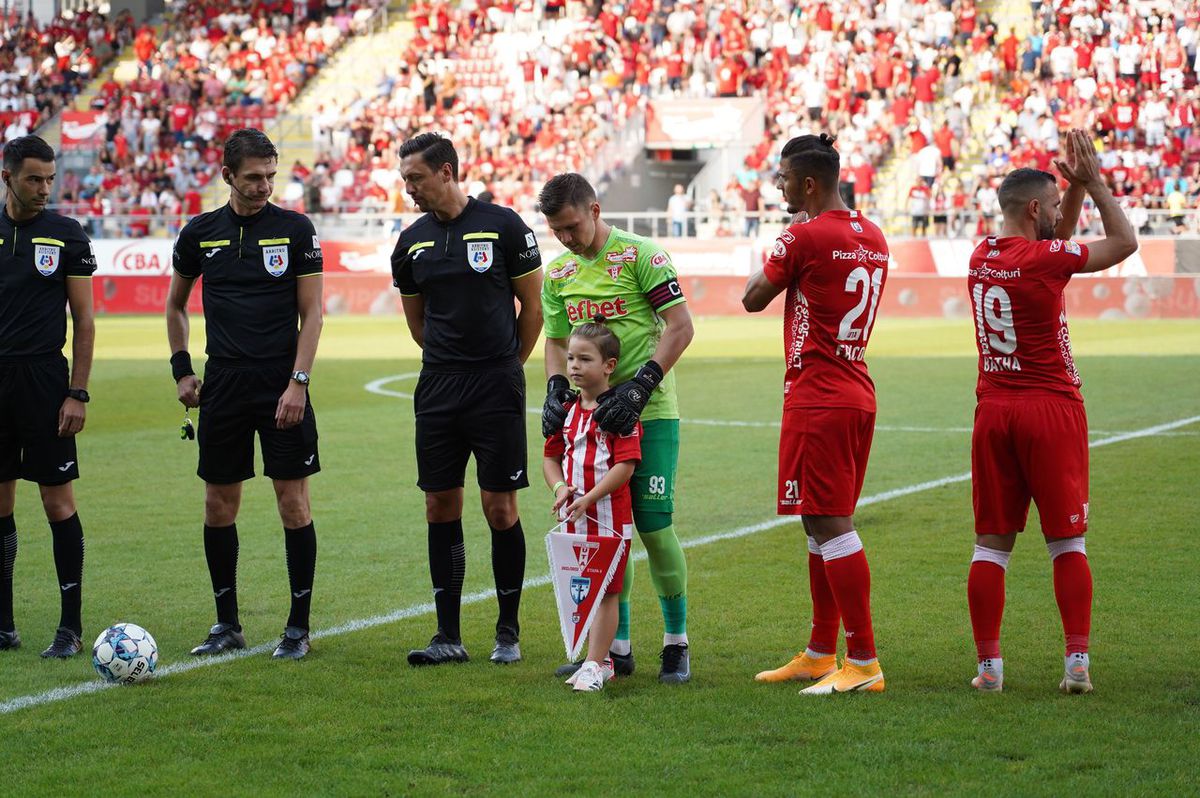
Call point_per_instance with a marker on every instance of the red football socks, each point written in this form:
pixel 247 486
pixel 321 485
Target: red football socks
pixel 1073 591
pixel 825 616
pixel 985 597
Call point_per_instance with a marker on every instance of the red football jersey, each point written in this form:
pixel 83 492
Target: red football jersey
pixel 833 268
pixel 1016 288
pixel 588 453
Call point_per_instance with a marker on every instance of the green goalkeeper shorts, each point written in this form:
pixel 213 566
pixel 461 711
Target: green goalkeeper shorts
pixel 653 483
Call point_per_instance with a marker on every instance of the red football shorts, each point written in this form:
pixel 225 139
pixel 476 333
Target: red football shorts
pixel 618 581
pixel 823 455
pixel 1030 448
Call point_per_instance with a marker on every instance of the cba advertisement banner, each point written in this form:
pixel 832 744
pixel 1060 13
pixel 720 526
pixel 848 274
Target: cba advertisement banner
pixel 925 279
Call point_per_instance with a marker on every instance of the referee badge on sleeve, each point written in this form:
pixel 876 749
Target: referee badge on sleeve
pixel 46 257
pixel 479 255
pixel 275 259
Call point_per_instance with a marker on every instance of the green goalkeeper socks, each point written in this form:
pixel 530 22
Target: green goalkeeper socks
pixel 621 641
pixel 668 572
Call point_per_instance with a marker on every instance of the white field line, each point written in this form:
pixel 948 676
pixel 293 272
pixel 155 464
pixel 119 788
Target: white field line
pixel 377 387
pixel 417 610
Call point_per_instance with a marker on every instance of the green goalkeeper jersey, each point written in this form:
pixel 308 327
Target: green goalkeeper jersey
pixel 628 282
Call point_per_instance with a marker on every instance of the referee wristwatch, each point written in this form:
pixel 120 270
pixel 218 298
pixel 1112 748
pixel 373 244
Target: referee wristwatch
pixel 300 377
pixel 79 394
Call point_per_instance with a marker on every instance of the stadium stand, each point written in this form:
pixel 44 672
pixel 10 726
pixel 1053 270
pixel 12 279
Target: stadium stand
pixel 214 68
pixel 526 92
pixel 43 66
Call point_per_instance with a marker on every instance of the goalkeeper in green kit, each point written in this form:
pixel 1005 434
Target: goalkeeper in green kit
pixel 630 281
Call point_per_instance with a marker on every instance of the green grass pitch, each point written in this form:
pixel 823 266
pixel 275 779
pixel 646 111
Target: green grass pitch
pixel 353 718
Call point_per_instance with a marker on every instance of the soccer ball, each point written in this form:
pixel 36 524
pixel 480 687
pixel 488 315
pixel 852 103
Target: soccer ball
pixel 124 652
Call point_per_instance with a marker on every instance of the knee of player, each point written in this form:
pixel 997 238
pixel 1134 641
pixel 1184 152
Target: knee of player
pixel 219 510
pixel 59 504
pixel 501 510
pixel 294 510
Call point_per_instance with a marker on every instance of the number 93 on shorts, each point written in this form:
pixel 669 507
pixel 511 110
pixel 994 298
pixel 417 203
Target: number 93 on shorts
pixel 652 488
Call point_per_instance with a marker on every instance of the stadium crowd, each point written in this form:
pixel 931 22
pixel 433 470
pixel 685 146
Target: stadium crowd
pixel 873 74
pixel 215 68
pixel 44 66
pixel 1126 71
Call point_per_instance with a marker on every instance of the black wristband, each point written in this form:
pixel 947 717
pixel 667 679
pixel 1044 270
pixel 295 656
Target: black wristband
pixel 181 365
pixel 650 373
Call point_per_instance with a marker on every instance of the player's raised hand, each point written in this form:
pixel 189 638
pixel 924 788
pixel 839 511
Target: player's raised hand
pixel 1087 163
pixel 1067 164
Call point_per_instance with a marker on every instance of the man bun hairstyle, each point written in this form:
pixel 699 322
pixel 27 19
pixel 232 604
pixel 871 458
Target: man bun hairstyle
pixel 435 150
pixel 565 190
pixel 247 143
pixel 815 157
pixel 22 147
pixel 600 334
pixel 1021 186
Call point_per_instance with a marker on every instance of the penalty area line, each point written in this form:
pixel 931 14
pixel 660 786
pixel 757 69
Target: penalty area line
pixel 419 610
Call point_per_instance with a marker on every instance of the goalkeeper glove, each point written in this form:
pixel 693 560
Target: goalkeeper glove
pixel 620 407
pixel 554 412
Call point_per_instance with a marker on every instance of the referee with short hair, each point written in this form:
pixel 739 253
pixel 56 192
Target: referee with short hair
pixel 262 271
pixel 458 269
pixel 46 265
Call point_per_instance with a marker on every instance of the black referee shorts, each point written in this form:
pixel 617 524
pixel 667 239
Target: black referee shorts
pixel 479 413
pixel 237 401
pixel 31 394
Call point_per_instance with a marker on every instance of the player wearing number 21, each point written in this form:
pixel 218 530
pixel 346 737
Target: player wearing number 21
pixel 1030 437
pixel 833 264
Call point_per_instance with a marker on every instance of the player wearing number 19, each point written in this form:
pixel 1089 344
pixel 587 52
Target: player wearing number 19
pixel 833 264
pixel 1030 437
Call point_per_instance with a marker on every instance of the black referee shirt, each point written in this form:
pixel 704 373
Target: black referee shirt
pixel 464 269
pixel 36 259
pixel 250 265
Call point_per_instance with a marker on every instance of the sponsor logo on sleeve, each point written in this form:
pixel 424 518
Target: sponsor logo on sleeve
pixel 1072 247
pixel 316 243
pixel 1056 245
pixel 660 260
pixel 779 250
pixel 530 241
pixel 531 254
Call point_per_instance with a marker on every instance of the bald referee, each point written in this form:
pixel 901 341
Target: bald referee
pixel 458 269
pixel 262 273
pixel 46 265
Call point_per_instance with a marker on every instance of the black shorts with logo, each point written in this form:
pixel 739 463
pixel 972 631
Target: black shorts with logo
pixel 238 400
pixel 32 391
pixel 464 413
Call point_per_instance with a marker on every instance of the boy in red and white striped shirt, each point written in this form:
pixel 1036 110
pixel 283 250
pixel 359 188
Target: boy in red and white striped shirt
pixel 589 470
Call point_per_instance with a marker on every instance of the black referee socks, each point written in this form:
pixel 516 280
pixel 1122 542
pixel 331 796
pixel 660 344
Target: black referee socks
pixel 221 551
pixel 447 570
pixel 8 556
pixel 508 569
pixel 301 546
pixel 68 562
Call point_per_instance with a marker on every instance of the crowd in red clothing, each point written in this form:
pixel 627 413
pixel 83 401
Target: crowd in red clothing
pixel 1124 70
pixel 217 67
pixel 43 66
pixel 526 97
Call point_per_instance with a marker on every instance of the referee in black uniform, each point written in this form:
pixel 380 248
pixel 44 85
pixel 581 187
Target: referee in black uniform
pixel 46 264
pixel 261 266
pixel 458 268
